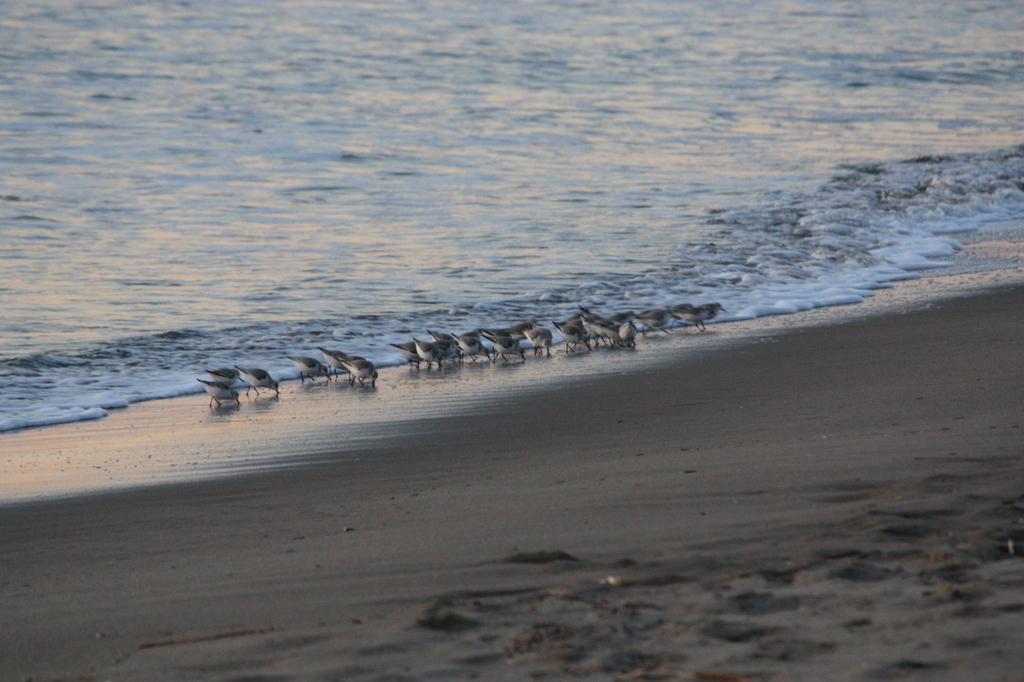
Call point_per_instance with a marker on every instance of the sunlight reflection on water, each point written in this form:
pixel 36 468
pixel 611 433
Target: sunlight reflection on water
pixel 272 174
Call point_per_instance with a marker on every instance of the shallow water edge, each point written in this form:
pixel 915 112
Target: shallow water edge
pixel 182 439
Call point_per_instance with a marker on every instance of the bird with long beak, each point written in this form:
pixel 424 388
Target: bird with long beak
pixel 573 335
pixel 258 378
pixel 310 367
pixel 429 353
pixel 504 344
pixel 219 391
pixel 540 339
pixel 361 370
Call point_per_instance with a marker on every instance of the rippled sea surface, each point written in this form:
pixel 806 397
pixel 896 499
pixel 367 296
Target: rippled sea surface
pixel 187 183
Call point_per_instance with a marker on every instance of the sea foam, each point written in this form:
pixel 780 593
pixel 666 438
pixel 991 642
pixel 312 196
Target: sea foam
pixel 862 230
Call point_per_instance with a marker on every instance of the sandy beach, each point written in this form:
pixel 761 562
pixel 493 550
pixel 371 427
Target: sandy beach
pixel 838 501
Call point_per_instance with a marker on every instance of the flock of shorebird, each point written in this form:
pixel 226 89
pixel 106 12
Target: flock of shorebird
pixel 584 328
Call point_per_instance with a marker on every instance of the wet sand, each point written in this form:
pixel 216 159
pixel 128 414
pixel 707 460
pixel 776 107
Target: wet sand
pixel 842 501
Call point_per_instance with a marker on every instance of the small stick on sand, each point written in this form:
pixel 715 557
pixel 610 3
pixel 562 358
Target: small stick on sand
pixel 204 638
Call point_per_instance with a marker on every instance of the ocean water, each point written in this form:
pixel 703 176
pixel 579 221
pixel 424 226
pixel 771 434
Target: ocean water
pixel 194 184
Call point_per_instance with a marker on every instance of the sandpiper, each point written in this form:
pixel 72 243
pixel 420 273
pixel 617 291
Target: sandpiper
pixel 428 352
pixel 573 335
pixel 696 314
pixel 470 345
pixel 448 348
pixel 225 375
pixel 617 318
pixel 601 328
pixel 408 351
pixel 627 334
pixel 592 327
pixel 441 336
pixel 334 358
pixel 258 378
pixel 310 367
pixel 540 338
pixel 219 391
pixel 518 330
pixel 361 370
pixel 595 326
pixel 504 344
pixel 656 319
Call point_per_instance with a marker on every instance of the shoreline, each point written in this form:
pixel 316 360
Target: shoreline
pixel 262 435
pixel 991 251
pixel 773 509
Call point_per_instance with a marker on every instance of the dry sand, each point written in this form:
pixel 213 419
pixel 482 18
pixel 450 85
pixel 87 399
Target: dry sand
pixel 839 502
